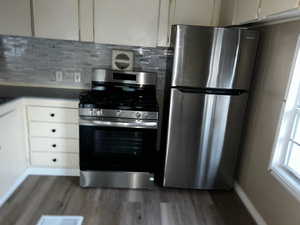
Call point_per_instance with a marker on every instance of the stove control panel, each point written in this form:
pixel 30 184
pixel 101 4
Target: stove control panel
pixel 139 115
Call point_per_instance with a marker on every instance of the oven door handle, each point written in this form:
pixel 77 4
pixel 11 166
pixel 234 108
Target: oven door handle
pixel 99 123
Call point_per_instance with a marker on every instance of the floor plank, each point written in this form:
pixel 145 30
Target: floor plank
pixel 49 195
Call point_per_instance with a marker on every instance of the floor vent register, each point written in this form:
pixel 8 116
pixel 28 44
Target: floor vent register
pixel 60 220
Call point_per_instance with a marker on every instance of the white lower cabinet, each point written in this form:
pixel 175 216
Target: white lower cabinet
pixel 13 161
pixel 26 143
pixel 52 114
pixel 53 130
pixel 53 134
pixel 55 160
pixel 51 145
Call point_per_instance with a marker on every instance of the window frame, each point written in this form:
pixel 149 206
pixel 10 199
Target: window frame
pixel 288 115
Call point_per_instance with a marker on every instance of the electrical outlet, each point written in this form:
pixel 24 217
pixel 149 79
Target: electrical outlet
pixel 77 77
pixel 59 75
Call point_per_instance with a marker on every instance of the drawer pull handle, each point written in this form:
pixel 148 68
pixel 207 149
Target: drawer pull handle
pixel 53 130
pixel 54 160
pixel 54 145
pixel 52 114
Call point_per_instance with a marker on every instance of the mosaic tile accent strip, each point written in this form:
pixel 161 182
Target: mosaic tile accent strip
pixel 37 60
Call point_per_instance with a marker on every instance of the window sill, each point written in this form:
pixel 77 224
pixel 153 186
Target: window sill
pixel 289 181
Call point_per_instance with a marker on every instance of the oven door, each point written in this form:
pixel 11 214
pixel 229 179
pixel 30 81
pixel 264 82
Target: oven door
pixel 117 145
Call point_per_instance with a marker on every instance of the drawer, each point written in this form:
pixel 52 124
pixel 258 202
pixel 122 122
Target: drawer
pixel 52 114
pixel 55 160
pixel 54 145
pixel 54 130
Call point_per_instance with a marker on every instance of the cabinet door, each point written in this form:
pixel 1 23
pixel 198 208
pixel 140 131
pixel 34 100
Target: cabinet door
pixel 192 12
pixel 86 20
pixel 246 11
pixel 56 19
pixel 189 12
pixel 227 12
pixel 269 7
pixel 12 149
pixel 126 22
pixel 15 17
pixel 163 27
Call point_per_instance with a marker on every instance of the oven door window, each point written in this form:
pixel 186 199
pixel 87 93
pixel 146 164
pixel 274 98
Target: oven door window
pixel 115 149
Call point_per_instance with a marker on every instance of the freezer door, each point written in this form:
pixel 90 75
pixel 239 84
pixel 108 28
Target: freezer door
pixel 192 51
pixel 203 139
pixel 212 57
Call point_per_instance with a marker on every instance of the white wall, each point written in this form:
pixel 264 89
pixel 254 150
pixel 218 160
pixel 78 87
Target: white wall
pixel 276 205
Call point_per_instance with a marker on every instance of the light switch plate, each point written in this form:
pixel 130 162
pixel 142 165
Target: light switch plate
pixel 77 77
pixel 58 75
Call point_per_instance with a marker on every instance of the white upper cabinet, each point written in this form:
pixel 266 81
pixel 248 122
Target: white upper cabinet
pixel 15 17
pixel 269 7
pixel 57 19
pixel 163 27
pixel 249 11
pixel 126 22
pixel 246 10
pixel 189 12
pixel 86 20
pixel 192 12
pixel 227 12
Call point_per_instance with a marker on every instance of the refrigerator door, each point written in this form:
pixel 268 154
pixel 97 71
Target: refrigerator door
pixel 203 139
pixel 207 57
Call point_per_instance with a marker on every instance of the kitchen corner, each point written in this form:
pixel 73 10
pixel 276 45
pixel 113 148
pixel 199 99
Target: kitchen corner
pixel 40 85
pixel 161 112
pixel 38 67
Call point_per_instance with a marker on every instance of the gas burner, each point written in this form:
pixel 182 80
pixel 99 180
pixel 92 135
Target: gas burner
pixel 116 98
pixel 121 95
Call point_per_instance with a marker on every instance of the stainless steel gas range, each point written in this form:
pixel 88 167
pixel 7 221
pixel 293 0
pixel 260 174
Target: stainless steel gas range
pixel 118 130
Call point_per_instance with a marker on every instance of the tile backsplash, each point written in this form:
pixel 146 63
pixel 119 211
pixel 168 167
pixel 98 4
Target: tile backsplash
pixel 37 61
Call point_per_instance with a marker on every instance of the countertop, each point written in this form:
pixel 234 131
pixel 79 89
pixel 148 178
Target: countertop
pixel 4 100
pixel 8 92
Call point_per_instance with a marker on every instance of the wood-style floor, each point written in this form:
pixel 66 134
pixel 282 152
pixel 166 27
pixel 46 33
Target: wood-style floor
pixel 46 195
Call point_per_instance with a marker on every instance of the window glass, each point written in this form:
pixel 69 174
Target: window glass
pixel 293 159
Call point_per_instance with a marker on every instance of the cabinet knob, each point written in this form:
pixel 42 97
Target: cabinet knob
pixel 53 130
pixel 52 114
pixel 54 160
pixel 54 145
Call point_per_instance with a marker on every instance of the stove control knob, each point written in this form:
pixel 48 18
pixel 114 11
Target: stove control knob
pixel 99 112
pixel 94 112
pixel 138 115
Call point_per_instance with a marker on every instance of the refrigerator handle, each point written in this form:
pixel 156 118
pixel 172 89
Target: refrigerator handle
pixel 212 91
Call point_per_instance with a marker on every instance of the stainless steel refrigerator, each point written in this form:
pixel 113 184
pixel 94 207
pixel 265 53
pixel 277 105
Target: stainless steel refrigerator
pixel 207 97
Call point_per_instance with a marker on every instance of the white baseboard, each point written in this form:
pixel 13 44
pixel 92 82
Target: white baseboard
pixel 37 171
pixel 53 172
pixel 249 205
pixel 14 187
